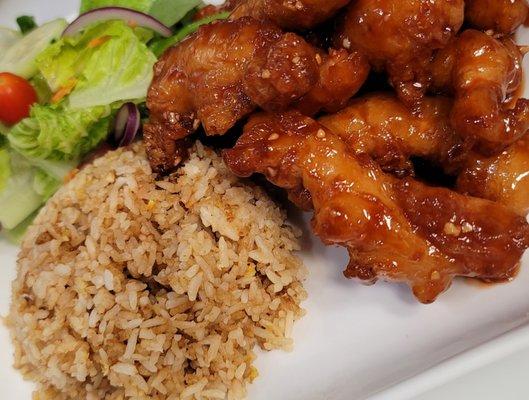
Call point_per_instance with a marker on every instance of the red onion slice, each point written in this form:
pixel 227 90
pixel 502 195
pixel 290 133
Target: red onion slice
pixel 126 124
pixel 133 17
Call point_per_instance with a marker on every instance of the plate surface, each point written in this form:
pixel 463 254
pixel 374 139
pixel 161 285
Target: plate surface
pixel 355 341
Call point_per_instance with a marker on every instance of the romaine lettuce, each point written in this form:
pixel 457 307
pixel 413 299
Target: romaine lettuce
pixel 168 12
pixel 8 38
pixel 158 46
pixel 24 186
pixel 19 58
pixel 109 62
pixel 139 5
pixel 18 199
pixel 5 167
pixel 57 133
pixel 45 185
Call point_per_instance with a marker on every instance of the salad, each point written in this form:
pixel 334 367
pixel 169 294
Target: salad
pixel 65 89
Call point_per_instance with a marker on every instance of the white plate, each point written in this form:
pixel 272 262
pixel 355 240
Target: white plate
pixel 355 341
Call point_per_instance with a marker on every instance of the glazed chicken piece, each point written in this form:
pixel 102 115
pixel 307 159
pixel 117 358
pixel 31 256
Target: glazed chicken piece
pixel 202 80
pixel 341 75
pixel 501 16
pixel 503 178
pixel 483 74
pixel 289 14
pixel 381 126
pixel 225 70
pixel 397 230
pixel 400 37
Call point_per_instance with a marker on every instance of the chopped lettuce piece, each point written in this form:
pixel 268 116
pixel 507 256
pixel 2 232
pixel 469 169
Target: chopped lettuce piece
pixel 109 62
pixel 41 87
pixel 5 167
pixel 26 186
pixel 8 37
pixel 16 234
pixel 160 45
pixel 18 199
pixel 57 133
pixel 26 23
pixel 138 5
pixel 45 185
pixel 3 130
pixel 169 12
pixel 20 57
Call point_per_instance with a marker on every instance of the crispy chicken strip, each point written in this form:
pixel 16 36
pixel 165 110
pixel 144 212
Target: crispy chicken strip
pixel 227 69
pixel 483 74
pixel 400 37
pixel 500 16
pixel 290 14
pixel 503 178
pixel 397 230
pixel 381 126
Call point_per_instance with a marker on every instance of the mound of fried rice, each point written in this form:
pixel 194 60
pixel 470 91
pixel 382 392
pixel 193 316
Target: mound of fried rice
pixel 129 287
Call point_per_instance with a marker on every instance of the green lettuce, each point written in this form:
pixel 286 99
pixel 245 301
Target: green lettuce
pixel 25 186
pixel 138 5
pixel 5 167
pixel 160 45
pixel 168 12
pixel 119 68
pixel 8 37
pixel 57 133
pixel 45 184
pixel 20 56
pixel 16 234
pixel 18 198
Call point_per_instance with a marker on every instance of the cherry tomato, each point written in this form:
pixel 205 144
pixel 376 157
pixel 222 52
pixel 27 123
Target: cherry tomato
pixel 16 98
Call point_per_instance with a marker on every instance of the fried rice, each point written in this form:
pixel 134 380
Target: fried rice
pixel 129 287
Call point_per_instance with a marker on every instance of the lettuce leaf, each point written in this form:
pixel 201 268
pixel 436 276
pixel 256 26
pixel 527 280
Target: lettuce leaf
pixel 57 133
pixel 25 186
pixel 108 62
pixel 168 12
pixel 18 199
pixel 158 46
pixel 16 234
pixel 5 167
pixel 8 38
pixel 45 185
pixel 139 5
pixel 20 57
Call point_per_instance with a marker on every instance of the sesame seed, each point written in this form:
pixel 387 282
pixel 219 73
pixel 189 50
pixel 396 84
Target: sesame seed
pixel 467 227
pixel 273 136
pixel 318 59
pixel 320 134
pixel 196 124
pixel 266 74
pixel 435 276
pixel 451 229
pixel 299 5
pixel 296 60
pixel 346 43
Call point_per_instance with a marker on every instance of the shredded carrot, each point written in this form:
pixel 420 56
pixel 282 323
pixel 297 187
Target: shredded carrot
pixel 96 42
pixel 64 91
